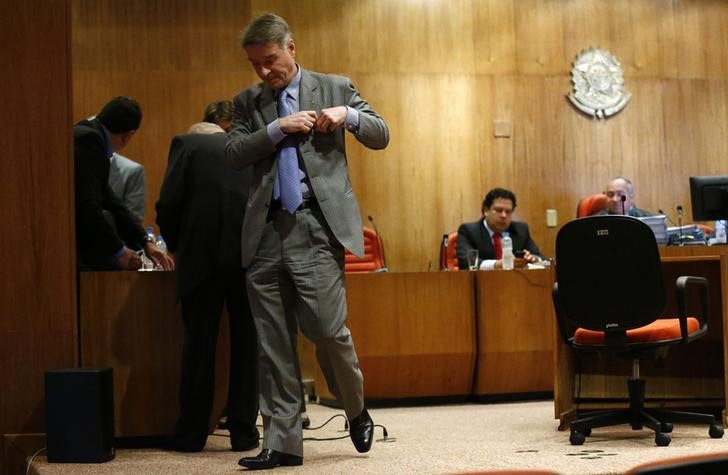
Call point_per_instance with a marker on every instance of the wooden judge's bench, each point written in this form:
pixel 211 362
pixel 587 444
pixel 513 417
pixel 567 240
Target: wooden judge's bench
pixel 418 335
pixel 424 335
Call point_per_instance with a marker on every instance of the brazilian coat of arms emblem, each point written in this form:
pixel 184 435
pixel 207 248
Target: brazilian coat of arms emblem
pixel 598 84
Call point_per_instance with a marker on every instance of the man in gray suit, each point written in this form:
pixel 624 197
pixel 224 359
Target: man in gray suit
pixel 127 181
pixel 300 216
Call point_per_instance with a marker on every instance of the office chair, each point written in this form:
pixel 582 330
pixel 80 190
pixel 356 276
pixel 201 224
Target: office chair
pixel 702 464
pixel 373 259
pixel 591 204
pixel 608 297
pixel 448 252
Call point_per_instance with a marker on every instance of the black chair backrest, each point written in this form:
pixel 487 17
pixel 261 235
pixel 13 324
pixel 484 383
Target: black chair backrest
pixel 609 273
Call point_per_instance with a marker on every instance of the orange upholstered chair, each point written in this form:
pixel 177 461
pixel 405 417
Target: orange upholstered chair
pixel 373 260
pixel 452 251
pixel 594 256
pixel 591 204
pixel 448 252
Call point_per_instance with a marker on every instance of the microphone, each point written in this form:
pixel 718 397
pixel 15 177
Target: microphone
pixel 679 226
pixel 623 198
pixel 381 244
pixel 668 217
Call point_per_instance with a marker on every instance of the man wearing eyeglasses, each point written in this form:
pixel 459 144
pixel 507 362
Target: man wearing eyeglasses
pixel 485 234
pixel 620 199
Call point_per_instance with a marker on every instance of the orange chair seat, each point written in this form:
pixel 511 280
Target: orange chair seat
pixel 659 330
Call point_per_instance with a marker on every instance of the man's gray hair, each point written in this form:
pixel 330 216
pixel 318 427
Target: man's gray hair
pixel 205 128
pixel 630 187
pixel 266 28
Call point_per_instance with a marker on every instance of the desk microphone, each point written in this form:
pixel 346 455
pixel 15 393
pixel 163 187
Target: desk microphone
pixel 679 225
pixel 381 244
pixel 668 217
pixel 623 198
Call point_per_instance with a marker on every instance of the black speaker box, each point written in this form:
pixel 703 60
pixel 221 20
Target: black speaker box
pixel 79 415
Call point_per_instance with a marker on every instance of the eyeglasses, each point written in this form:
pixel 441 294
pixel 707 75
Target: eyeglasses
pixel 618 193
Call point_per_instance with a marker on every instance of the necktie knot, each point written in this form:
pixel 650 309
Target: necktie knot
pixel 283 106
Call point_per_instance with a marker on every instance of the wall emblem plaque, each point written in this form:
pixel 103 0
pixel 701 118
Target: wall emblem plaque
pixel 598 84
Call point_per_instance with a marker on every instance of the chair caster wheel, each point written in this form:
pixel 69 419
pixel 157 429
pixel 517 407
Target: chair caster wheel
pixel 587 432
pixel 662 440
pixel 715 432
pixel 576 438
pixel 667 427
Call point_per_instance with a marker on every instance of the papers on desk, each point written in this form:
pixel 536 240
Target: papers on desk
pixel 689 234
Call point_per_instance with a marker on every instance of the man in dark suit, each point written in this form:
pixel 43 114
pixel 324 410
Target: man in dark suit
pixel 100 244
pixel 301 215
pixel 200 213
pixel 497 211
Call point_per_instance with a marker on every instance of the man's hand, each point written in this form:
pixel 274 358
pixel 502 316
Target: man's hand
pixel 331 118
pixel 159 258
pixel 129 260
pixel 300 122
pixel 530 258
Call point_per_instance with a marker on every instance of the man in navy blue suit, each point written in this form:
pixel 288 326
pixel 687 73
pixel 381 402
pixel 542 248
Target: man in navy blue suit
pixel 485 233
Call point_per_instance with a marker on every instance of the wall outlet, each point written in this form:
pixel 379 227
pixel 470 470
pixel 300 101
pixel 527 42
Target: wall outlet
pixel 551 218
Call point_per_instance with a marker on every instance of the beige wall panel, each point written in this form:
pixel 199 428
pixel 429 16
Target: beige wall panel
pixel 410 36
pixel 37 267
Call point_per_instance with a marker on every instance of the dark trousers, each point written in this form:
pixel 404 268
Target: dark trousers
pixel 201 312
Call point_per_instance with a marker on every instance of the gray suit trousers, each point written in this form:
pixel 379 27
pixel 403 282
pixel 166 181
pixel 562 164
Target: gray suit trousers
pixel 297 279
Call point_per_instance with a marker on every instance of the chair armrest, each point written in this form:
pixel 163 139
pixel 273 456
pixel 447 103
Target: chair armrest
pixel 680 286
pixel 560 317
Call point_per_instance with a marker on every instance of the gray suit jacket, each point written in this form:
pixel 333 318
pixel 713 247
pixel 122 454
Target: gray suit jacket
pixel 323 155
pixel 127 181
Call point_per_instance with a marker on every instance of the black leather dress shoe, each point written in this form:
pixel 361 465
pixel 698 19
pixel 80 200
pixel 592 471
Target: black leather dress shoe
pixel 269 458
pixel 361 431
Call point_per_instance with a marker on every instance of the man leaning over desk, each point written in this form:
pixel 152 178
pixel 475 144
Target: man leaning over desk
pixel 485 234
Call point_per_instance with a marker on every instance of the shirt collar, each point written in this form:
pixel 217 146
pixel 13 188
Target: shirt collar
pixel 293 87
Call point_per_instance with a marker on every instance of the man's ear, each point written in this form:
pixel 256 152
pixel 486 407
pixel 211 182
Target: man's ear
pixel 126 136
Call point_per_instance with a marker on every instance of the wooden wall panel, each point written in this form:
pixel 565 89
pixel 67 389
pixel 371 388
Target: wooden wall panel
pixel 441 72
pixel 37 263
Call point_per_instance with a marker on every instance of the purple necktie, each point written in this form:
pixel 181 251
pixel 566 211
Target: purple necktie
pixel 288 185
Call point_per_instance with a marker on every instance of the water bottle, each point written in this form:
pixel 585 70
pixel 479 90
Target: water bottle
pixel 507 247
pixel 161 244
pixel 147 264
pixel 720 236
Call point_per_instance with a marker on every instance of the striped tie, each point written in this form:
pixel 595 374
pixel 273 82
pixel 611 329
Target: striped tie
pixel 288 184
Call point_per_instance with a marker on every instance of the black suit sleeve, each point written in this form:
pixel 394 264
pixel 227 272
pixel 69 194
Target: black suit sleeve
pixel 170 205
pixel 93 195
pixel 525 239
pixel 466 242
